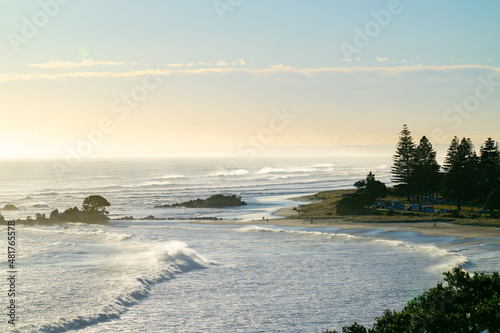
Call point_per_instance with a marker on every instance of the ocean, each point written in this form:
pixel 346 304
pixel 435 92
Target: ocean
pixel 178 276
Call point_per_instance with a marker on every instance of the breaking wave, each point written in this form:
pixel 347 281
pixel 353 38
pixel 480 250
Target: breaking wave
pixel 431 250
pixel 321 167
pixel 224 173
pixel 171 177
pixel 173 258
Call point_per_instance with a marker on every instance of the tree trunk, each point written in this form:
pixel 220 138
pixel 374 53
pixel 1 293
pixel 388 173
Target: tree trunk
pixel 459 204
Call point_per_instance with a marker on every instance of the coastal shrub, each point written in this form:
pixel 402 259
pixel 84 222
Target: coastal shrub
pixel 95 203
pixel 354 328
pixel 376 188
pixel 349 205
pixel 76 215
pixel 371 188
pixel 367 192
pixel 465 303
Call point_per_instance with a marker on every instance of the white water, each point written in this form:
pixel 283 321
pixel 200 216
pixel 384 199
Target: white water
pixel 135 187
pixel 169 276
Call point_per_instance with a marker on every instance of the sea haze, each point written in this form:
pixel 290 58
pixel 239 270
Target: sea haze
pixel 135 187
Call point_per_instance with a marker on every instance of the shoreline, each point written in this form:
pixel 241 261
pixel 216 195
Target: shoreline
pixel 442 229
pixel 430 226
pixel 289 217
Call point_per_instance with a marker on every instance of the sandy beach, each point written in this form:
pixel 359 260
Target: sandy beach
pixel 438 227
pixel 442 229
pixel 429 226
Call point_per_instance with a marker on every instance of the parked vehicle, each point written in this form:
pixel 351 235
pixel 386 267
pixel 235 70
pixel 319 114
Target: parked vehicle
pixel 397 205
pixel 412 207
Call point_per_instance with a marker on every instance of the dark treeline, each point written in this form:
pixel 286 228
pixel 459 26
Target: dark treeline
pixel 464 176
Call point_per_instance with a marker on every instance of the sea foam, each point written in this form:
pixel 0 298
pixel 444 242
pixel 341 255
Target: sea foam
pixel 431 250
pixel 173 258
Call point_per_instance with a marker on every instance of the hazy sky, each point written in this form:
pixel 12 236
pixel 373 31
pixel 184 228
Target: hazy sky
pixel 154 78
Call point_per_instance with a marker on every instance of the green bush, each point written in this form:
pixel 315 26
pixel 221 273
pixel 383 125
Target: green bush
pixel 349 205
pixel 467 303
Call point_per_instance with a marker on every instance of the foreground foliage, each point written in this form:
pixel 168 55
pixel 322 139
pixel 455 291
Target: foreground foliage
pixel 466 303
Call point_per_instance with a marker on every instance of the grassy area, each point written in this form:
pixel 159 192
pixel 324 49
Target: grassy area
pixel 324 206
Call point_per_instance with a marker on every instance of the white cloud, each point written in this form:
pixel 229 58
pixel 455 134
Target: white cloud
pixel 44 76
pixel 220 63
pixel 71 64
pixel 259 71
pixel 280 67
pixel 382 59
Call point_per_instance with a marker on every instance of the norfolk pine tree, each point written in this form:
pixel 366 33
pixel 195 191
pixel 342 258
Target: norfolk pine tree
pixel 426 174
pixel 489 168
pixel 461 168
pixel 402 168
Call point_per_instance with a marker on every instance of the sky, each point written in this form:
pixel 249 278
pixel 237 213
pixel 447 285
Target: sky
pixel 237 77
